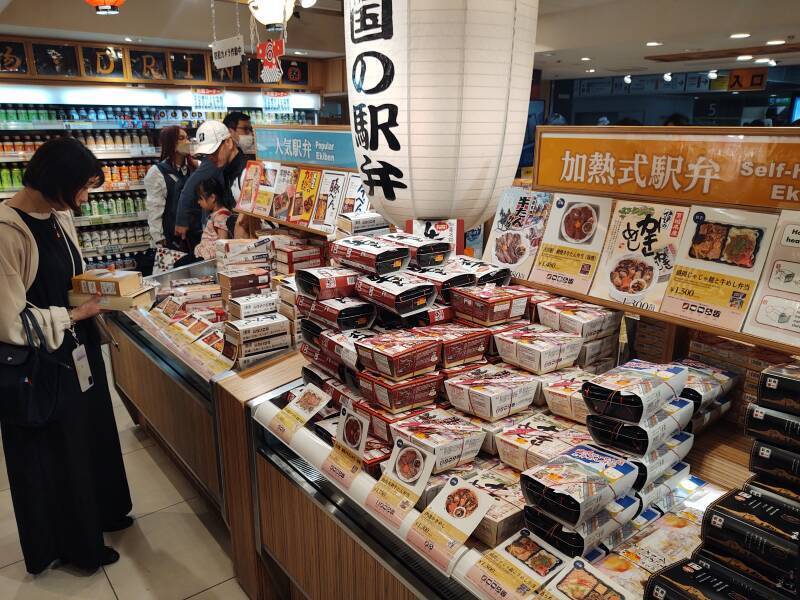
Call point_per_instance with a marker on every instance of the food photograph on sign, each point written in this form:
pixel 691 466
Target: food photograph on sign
pixel 719 263
pixel 640 252
pixel 573 240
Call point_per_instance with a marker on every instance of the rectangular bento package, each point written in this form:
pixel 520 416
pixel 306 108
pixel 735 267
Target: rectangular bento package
pixel 772 426
pixel 339 313
pixel 779 388
pixel 381 420
pixel 538 297
pixel 538 439
pixel 564 397
pixel 461 344
pixel 341 345
pixel 492 392
pixel 397 396
pixel 400 293
pixel 262 326
pixel 493 428
pixel 706 383
pixel 538 348
pixel 422 251
pixel 776 466
pixel 452 440
pixel 580 580
pixel 399 354
pixel 589 321
pixel 594 350
pixel 370 255
pixel 505 515
pixel 490 305
pixel 623 573
pixel 435 314
pixel 327 282
pixel 773 494
pixel 582 539
pixel 669 539
pixel 641 438
pixel 443 280
pixel 636 390
pixel 249 306
pixel 653 464
pixel 665 485
pixel 577 484
pixel 483 271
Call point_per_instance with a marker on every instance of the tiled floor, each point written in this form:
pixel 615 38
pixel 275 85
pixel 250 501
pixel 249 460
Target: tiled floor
pixel 178 548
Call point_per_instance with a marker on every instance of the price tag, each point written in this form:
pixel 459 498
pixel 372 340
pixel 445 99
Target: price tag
pixel 497 578
pixel 304 403
pixel 440 531
pixel 345 459
pixel 79 125
pixel 401 484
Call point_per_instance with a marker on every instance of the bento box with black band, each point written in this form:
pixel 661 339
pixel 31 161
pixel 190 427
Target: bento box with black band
pixel 400 293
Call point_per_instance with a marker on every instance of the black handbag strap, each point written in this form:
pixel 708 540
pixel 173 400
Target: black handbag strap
pixel 31 326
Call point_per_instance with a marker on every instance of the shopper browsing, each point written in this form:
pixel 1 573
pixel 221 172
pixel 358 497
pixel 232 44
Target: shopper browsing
pixel 65 469
pixel 209 194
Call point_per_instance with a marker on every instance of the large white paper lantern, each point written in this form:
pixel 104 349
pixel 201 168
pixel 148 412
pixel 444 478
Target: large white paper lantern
pixel 439 93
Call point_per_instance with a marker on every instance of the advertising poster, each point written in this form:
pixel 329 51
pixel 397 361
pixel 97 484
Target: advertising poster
pixel 720 260
pixel 572 243
pixel 640 252
pixel 775 313
pixel 305 196
pixel 285 186
pixel 262 204
pixel 329 200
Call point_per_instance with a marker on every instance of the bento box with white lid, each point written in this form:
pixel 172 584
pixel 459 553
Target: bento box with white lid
pixel 492 392
pixel 422 251
pixel 399 354
pixel 538 439
pixel 538 349
pixel 493 428
pixel 564 397
pixel 444 280
pixel 483 271
pixel 589 321
pixel 490 305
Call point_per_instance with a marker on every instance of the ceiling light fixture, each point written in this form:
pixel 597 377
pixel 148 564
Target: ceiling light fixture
pixel 654 44
pixel 744 57
pixel 763 60
pixel 127 39
pixel 590 70
pixel 667 77
pixel 585 58
pixel 775 42
pixel 106 7
pixel 773 62
pixel 627 79
pixel 712 74
pixel 739 36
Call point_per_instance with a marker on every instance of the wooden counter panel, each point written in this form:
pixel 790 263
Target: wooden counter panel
pixel 721 455
pixel 180 419
pixel 319 556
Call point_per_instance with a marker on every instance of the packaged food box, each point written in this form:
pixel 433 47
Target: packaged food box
pixel 778 428
pixel 631 528
pixel 667 540
pixel 636 390
pixel 287 289
pixel 381 419
pixel 589 321
pixel 397 396
pixel 291 268
pixel 400 293
pixel 533 303
pixel 624 573
pixel 580 580
pixel 375 452
pixel 232 279
pixel 643 437
pixel 664 486
pixel 574 486
pixel 604 365
pixel 581 539
pixel 538 439
pixel 237 350
pixel 709 415
pixel 296 253
pixel 107 282
pixel 339 313
pixel 354 222
pixel 343 395
pixel 548 378
pixel 492 428
pixel 594 350
pixel 399 354
pixel 452 440
pixel 310 331
pixel 706 383
pixel 654 464
pixel 504 517
pixel 452 372
pixel 327 282
pixel 779 388
pixel 321 360
pixel 774 465
pixel 488 305
pixel 494 330
pixel 755 537
pixel 688 498
pixel 262 326
pixel 492 392
pixel 538 348
pixel 144 298
pixel 248 306
pixel 245 362
pixel 460 344
pixel 564 397
pixel 699 578
pixel 341 345
pixel 483 271
pixel 783 497
pixel 443 280
pixel 435 314
pixel 370 254
pixel 436 482
pixel 422 251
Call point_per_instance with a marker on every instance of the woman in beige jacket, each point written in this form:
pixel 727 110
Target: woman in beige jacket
pixel 67 479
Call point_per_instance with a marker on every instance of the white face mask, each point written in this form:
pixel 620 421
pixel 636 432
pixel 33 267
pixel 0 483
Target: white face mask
pixel 247 143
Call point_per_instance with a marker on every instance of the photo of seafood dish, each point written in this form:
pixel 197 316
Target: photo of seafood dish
pixel 708 241
pixel 461 503
pixel 309 401
pixel 579 584
pixel 633 274
pixel 352 432
pixel 510 248
pixel 579 223
pixel 409 464
pixel 741 245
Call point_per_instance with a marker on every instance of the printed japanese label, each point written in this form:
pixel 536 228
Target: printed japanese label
pixel 497 578
pixel 307 402
pixel 345 459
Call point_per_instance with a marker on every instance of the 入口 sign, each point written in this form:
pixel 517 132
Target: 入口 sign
pixel 228 52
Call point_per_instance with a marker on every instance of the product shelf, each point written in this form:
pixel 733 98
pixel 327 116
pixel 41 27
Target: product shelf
pixel 118 187
pixel 116 249
pixel 286 224
pixel 109 219
pixel 89 125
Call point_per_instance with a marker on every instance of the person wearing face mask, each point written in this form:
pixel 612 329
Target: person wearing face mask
pixel 164 182
pixel 215 143
pixel 242 133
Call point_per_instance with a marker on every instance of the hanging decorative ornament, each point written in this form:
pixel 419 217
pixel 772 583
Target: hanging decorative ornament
pixel 271 12
pixel 106 7
pixel 439 98
pixel 270 52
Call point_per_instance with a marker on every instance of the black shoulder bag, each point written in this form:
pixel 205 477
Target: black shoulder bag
pixel 29 378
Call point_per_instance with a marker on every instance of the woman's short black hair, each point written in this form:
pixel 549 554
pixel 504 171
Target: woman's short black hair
pixel 210 186
pixel 60 169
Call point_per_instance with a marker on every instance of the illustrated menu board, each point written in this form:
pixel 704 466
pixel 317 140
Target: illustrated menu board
pixel 572 242
pixel 640 252
pixel 517 231
pixel 719 263
pixel 329 200
pixel 775 312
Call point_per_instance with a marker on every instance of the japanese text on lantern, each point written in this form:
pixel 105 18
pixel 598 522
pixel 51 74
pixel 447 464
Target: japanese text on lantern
pixel 373 73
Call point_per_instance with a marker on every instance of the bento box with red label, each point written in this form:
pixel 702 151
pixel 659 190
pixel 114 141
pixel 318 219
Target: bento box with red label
pixel 492 392
pixel 493 428
pixel 538 348
pixel 491 349
pixel 399 354
pixel 290 254
pixel 537 298
pixel 488 305
pixel 381 420
pixel 422 251
pixel 370 254
pixel 460 344
pixel 538 439
pixel 452 440
pixel 436 314
pixel 397 396
pixel 339 313
pixel 327 282
pixel 483 271
pixel 444 280
pixel 589 321
pixel 400 293
pixel 340 345
pixel 565 398
pixel 321 360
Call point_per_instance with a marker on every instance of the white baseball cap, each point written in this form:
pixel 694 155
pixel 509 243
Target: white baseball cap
pixel 209 137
